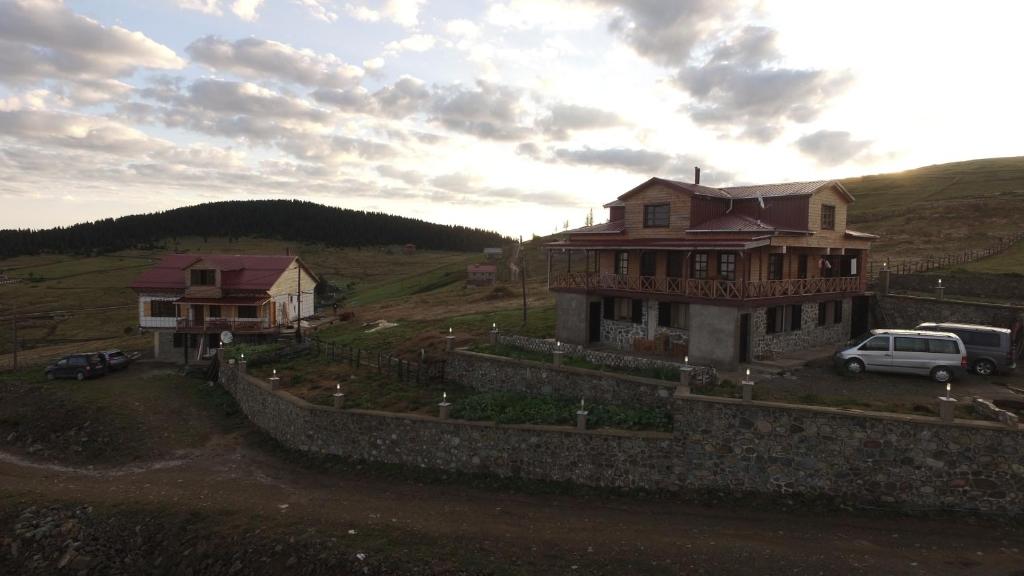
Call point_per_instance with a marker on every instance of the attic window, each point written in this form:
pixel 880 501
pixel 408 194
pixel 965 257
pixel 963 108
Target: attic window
pixel 203 277
pixel 656 216
pixel 828 217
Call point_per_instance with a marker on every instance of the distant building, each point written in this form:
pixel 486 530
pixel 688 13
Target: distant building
pixel 481 274
pixel 409 249
pixel 493 253
pixel 187 300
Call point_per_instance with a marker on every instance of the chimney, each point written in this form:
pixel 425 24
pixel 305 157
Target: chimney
pixel 696 174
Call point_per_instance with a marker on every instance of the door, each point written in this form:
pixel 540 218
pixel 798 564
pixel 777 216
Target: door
pixel 594 327
pixel 198 314
pixel 910 355
pixel 744 338
pixel 876 353
pixel 859 316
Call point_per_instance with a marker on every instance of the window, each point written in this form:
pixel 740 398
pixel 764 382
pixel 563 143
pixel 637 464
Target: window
pixel 828 217
pixel 608 309
pixel 775 266
pixel 943 346
pixel 675 265
pixel 876 344
pixel 822 313
pixel 203 277
pixel 78 361
pixel 162 309
pixel 656 216
pixel 623 309
pixel 637 311
pixel 179 340
pixel 248 312
pixel 980 339
pixel 672 315
pixel 214 311
pixel 795 317
pixel 622 263
pixel 700 266
pixel 909 344
pixel 727 266
pixel 775 319
pixel 837 309
pixel 801 266
pixel 648 264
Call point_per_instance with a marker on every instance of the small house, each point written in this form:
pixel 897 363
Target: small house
pixel 409 249
pixel 481 274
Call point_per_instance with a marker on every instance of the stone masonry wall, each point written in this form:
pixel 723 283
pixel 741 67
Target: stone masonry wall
pixel 810 334
pixel 1008 287
pixel 909 311
pixel 486 373
pixel 916 462
pixel 617 459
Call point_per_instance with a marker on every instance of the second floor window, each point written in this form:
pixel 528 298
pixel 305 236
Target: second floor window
pixel 828 217
pixel 727 266
pixel 775 266
pixel 656 216
pixel 622 263
pixel 203 277
pixel 700 266
pixel 162 309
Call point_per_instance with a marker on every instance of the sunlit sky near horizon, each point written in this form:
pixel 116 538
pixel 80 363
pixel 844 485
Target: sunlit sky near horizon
pixel 515 116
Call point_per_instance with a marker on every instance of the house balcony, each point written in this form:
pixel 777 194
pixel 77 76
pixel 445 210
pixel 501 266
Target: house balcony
pixel 217 325
pixel 704 289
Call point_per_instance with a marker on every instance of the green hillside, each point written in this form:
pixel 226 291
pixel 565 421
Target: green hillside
pixel 940 209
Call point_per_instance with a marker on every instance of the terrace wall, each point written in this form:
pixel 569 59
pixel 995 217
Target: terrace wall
pixel 1008 287
pixel 899 311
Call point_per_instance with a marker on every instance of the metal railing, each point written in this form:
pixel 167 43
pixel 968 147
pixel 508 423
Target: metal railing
pixel 219 325
pixel 705 288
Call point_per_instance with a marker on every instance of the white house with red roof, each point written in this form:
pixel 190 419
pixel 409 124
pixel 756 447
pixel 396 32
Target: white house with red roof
pixel 724 275
pixel 188 300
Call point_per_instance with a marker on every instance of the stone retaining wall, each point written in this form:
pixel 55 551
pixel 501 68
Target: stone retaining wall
pixel 487 373
pixel 900 311
pixel 916 462
pixel 810 335
pixel 1009 287
pixel 616 459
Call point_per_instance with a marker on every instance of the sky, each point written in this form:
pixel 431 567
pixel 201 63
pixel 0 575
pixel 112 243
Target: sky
pixel 519 116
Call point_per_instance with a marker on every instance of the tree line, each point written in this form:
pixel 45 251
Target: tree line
pixel 290 220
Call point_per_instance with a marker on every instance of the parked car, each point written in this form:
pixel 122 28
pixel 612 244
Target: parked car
pixel 989 349
pixel 115 360
pixel 78 366
pixel 936 354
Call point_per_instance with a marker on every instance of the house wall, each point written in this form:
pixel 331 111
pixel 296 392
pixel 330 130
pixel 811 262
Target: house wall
pixel 145 306
pixel 571 317
pixel 288 285
pixel 834 197
pixel 714 335
pixel 810 334
pixel 679 213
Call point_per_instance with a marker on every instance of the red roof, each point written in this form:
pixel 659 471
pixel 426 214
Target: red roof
pixel 482 268
pixel 236 300
pixel 602 228
pixel 733 223
pixel 237 272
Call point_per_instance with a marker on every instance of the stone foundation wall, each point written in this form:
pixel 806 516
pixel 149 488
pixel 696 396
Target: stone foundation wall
pixel 897 311
pixel 486 373
pixel 810 334
pixel 620 333
pixel 615 459
pixel 916 462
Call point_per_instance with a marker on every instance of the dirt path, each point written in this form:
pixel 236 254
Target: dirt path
pixel 544 534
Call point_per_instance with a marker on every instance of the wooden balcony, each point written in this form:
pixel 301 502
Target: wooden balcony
pixel 217 325
pixel 706 289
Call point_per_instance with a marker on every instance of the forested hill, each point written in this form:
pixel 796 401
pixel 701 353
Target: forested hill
pixel 289 220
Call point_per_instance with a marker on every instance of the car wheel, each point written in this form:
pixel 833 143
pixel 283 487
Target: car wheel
pixel 854 366
pixel 984 368
pixel 79 375
pixel 50 375
pixel 941 374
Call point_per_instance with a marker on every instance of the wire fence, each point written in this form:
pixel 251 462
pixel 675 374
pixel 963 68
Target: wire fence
pixel 425 371
pixel 918 265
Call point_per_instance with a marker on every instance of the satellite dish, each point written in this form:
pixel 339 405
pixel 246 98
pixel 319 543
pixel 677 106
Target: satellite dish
pixel 226 337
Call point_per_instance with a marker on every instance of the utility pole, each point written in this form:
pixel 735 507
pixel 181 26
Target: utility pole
pixel 14 336
pixel 522 273
pixel 298 322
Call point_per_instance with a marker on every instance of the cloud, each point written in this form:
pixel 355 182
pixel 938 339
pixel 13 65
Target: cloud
pixel 319 9
pixel 633 160
pixel 465 189
pixel 565 118
pixel 245 98
pixel 247 10
pixel 406 96
pixel 333 149
pixel 491 111
pixel 43 41
pixel 831 147
pixel 666 32
pixel 356 100
pixel 740 86
pixel 77 132
pixel 262 59
pixel 410 177
pixel 414 43
pixel 402 12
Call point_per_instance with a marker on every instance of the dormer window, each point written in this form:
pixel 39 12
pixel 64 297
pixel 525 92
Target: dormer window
pixel 656 215
pixel 828 217
pixel 203 277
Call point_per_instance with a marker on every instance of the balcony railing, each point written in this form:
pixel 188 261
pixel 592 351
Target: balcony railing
pixel 214 325
pixel 707 289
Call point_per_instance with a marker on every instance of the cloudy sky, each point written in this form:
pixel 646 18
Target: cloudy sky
pixel 511 115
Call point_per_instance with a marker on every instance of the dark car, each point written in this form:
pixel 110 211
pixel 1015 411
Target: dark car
pixel 78 366
pixel 114 360
pixel 989 349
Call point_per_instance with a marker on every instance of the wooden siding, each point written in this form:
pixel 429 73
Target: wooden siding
pixel 288 283
pixel 703 208
pixel 833 197
pixel 785 213
pixel 679 213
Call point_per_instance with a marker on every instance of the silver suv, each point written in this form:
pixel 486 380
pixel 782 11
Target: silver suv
pixel 989 349
pixel 936 354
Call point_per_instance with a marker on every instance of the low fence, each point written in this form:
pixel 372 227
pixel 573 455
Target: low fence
pixel 919 265
pixel 428 370
pixel 699 374
pixel 1008 287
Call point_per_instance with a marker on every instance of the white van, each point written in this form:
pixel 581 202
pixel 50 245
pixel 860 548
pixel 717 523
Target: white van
pixel 936 354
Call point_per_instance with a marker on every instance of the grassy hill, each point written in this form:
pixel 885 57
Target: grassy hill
pixel 940 209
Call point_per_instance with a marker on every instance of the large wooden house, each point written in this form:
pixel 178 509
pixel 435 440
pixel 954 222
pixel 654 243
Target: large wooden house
pixel 725 275
pixel 188 300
